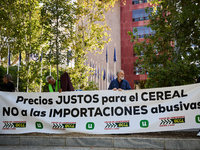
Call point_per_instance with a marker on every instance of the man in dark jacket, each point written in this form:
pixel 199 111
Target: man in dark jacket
pixel 119 83
pixel 64 83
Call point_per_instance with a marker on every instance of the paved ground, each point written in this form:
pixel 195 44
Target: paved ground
pixel 168 134
pixel 170 140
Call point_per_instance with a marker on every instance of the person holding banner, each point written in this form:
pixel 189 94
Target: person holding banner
pixel 8 85
pixel 119 83
pixel 64 83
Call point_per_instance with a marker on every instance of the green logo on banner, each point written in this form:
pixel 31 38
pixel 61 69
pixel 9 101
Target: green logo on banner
pixel 197 118
pixel 144 123
pixel 39 125
pixel 90 126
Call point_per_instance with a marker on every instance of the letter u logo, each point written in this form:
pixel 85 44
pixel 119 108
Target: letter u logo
pixel 197 118
pixel 90 126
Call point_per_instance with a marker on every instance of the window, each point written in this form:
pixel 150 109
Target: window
pixel 135 2
pixel 142 31
pixel 140 15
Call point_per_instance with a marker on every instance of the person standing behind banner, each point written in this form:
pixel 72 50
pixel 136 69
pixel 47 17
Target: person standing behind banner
pixel 8 84
pixel 64 83
pixel 119 83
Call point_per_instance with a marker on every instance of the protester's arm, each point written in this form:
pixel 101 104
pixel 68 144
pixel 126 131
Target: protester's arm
pixel 119 89
pixel 128 87
pixel 111 87
pixel 60 90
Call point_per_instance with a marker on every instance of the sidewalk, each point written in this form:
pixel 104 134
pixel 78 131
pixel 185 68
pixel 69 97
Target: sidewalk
pixel 157 140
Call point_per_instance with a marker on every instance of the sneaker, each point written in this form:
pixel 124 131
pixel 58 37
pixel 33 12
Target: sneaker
pixel 198 134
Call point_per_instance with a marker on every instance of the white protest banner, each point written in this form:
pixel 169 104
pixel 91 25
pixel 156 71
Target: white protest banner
pixel 101 112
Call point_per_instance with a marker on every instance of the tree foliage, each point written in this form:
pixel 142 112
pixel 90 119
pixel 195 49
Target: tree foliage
pixel 20 33
pixel 90 35
pixel 172 51
pixel 62 30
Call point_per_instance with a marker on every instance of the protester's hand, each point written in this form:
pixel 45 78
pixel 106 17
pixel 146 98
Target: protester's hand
pixel 119 89
pixel 60 90
pixel 115 89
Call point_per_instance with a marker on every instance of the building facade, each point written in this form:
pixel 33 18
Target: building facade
pixel 132 16
pixel 121 19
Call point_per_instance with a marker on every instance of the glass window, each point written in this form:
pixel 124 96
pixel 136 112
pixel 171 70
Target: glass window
pixel 139 15
pixel 135 2
pixel 140 1
pixel 146 18
pixel 147 30
pixel 143 31
pixel 140 32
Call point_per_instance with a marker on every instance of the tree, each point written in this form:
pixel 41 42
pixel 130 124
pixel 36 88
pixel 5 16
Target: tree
pixel 90 36
pixel 20 32
pixel 62 29
pixel 58 20
pixel 172 51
